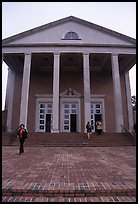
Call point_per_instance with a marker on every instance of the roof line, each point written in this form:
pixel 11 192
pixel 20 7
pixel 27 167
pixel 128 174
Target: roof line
pixel 63 20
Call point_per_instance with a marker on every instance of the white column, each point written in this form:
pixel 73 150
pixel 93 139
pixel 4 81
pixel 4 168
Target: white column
pixel 129 102
pixel 86 81
pixel 55 126
pixel 25 89
pixel 117 93
pixel 9 98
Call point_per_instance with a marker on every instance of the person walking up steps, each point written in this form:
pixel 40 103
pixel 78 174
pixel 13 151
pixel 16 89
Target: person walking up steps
pixel 89 130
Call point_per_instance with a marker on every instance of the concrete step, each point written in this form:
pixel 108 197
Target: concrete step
pixel 68 199
pixel 80 192
pixel 71 139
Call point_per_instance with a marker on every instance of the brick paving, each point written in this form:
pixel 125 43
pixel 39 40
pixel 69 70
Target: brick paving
pixel 69 174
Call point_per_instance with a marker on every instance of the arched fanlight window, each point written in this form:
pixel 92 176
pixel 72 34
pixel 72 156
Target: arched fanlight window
pixel 71 36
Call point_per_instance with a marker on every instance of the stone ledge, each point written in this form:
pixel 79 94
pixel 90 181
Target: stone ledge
pixel 68 193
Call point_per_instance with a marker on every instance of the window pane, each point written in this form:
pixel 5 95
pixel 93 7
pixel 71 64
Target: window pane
pixel 42 110
pixel 49 105
pixel 49 111
pixel 41 121
pixel 66 121
pixel 71 36
pixel 66 127
pixel 66 116
pixel 41 127
pixel 97 111
pixel 97 105
pixel 42 105
pixel 73 105
pixel 66 111
pixel 73 111
pixel 66 105
pixel 42 116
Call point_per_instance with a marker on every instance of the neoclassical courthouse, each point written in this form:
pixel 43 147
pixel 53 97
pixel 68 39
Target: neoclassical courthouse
pixel 67 72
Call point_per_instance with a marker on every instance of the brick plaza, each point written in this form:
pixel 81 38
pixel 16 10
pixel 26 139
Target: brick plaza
pixel 77 174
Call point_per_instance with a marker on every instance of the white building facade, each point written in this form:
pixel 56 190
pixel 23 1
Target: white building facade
pixel 66 73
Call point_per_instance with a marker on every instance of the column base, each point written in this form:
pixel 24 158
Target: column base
pixel 54 131
pixel 119 131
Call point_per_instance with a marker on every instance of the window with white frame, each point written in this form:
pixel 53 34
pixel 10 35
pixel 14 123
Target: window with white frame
pixel 96 109
pixel 71 35
pixel 45 111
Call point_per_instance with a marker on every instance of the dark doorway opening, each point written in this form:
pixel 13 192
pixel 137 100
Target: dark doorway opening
pixel 73 123
pixel 48 122
pixel 97 117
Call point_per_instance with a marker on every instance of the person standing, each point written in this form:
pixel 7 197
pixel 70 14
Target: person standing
pixel 89 130
pixel 99 127
pixel 22 134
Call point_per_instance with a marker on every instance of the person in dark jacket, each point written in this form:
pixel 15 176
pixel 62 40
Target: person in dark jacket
pixel 89 130
pixel 22 134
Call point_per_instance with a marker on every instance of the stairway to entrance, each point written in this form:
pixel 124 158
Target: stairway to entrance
pixel 71 139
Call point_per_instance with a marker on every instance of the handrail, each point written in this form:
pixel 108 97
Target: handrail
pixel 130 133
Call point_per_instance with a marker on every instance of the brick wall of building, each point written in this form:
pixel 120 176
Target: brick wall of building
pixel 42 83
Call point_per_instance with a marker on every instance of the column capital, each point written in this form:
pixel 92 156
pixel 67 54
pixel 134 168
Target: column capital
pixel 28 53
pixel 86 53
pixel 56 53
pixel 114 54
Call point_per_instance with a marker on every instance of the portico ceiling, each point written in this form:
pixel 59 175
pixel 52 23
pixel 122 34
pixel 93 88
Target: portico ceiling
pixel 43 62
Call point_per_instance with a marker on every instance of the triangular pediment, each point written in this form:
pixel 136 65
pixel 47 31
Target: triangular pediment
pixel 69 93
pixel 69 30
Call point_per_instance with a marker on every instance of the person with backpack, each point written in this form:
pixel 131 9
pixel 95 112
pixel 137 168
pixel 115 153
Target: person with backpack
pixel 89 130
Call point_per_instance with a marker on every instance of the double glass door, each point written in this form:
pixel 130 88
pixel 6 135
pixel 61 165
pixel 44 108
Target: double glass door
pixel 45 117
pixel 96 114
pixel 70 117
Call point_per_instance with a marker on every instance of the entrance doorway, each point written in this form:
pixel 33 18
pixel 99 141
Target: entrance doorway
pixel 96 114
pixel 44 117
pixel 70 117
pixel 73 122
pixel 48 122
pixel 97 118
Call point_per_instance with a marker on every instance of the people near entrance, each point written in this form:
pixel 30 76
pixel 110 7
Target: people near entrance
pixel 99 127
pixel 89 130
pixel 22 134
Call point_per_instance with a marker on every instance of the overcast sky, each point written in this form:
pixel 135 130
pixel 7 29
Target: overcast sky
pixel 18 17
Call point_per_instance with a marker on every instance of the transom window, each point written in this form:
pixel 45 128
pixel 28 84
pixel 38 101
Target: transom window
pixel 71 36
